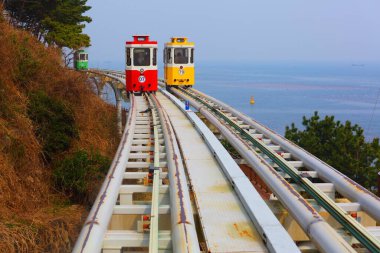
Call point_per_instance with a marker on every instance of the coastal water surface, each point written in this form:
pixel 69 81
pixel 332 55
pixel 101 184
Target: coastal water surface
pixel 284 92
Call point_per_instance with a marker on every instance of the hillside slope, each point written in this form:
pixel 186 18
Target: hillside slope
pixel 49 120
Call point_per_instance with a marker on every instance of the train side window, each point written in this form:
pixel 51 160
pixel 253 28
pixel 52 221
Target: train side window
pixel 192 55
pixel 168 55
pixel 141 56
pixel 154 56
pixel 181 55
pixel 129 61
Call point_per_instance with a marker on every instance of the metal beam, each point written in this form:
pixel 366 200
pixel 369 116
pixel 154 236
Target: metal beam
pixel 276 238
pixel 118 239
pixel 92 233
pixel 307 217
pixel 185 239
pixel 139 209
pixel 344 185
pixel 349 223
pixel 141 175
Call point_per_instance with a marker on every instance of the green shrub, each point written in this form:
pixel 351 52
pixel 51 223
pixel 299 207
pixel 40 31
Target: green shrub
pixel 79 174
pixel 54 123
pixel 230 149
pixel 342 145
pixel 28 65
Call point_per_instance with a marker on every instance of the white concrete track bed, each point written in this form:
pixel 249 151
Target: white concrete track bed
pixel 225 223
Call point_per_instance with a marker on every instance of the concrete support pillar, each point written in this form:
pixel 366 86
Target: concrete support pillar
pixel 98 85
pixel 378 183
pixel 118 99
pixel 119 116
pixel 100 82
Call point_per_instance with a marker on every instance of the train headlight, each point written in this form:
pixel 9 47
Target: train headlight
pixel 141 71
pixel 181 71
pixel 142 79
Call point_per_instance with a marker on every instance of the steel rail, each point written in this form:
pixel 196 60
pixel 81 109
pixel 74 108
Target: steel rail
pixel 154 216
pixel 271 231
pixel 95 226
pixel 344 218
pixel 111 73
pixel 183 231
pixel 304 182
pixel 348 188
pixel 307 217
pixel 184 234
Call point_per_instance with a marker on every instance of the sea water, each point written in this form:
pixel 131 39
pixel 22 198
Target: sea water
pixel 284 92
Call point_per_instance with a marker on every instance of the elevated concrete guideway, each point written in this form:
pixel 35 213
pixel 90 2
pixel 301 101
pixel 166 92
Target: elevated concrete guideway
pixel 226 226
pixel 177 189
pixel 226 222
pixel 226 218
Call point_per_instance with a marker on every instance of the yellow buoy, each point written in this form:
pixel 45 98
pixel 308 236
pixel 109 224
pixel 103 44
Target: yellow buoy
pixel 252 100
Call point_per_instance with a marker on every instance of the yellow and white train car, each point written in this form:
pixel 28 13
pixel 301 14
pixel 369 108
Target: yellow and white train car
pixel 179 62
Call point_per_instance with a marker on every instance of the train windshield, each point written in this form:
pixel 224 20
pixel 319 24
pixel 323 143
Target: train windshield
pixel 83 57
pixel 168 58
pixel 192 56
pixel 181 55
pixel 129 61
pixel 141 56
pixel 154 56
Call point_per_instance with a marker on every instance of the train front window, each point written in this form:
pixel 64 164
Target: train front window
pixel 129 61
pixel 181 55
pixel 82 57
pixel 141 56
pixel 168 55
pixel 154 56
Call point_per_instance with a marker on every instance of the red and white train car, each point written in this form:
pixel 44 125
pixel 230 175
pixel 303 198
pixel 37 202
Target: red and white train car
pixel 141 64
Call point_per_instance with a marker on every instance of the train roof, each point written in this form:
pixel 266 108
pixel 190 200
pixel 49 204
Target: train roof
pixel 179 41
pixel 80 51
pixel 141 39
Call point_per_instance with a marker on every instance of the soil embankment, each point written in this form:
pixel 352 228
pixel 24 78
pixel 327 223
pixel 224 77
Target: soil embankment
pixel 57 139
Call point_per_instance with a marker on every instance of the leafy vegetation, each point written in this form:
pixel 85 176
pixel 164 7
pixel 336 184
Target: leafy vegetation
pixel 230 149
pixel 57 23
pixel 36 95
pixel 28 65
pixel 343 146
pixel 55 125
pixel 78 173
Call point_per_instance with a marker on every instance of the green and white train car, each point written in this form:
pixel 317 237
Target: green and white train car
pixel 80 60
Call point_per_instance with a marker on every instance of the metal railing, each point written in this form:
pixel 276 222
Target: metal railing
pixel 344 218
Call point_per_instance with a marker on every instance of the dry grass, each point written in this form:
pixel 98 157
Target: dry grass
pixel 47 230
pixel 32 216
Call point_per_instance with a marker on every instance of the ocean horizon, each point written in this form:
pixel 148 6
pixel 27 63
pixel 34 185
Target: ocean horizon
pixel 285 92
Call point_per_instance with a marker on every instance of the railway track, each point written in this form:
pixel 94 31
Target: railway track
pixel 302 183
pixel 144 203
pixel 137 206
pixel 301 173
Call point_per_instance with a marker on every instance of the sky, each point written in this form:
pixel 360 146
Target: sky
pixel 241 30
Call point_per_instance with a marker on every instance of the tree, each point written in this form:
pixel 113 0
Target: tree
pixel 56 23
pixel 343 146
